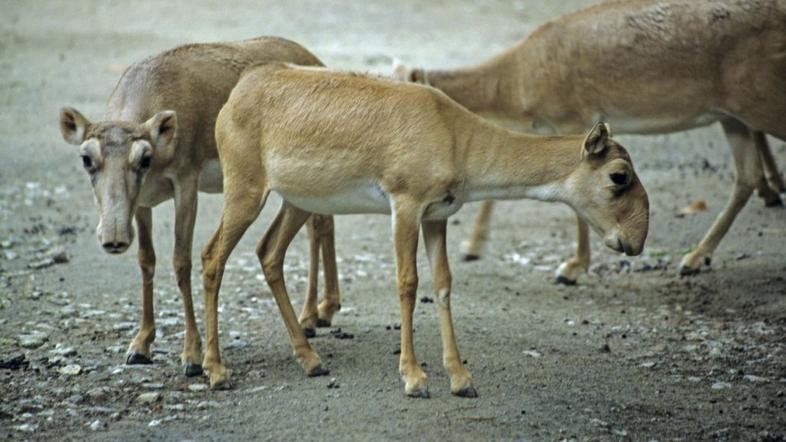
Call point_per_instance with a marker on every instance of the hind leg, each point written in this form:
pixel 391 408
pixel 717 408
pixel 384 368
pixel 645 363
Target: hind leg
pixel 749 175
pixel 308 316
pixel 241 208
pixel 772 183
pixel 331 298
pixel 473 247
pixel 271 250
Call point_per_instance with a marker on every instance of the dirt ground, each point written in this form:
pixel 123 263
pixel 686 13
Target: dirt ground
pixel 634 352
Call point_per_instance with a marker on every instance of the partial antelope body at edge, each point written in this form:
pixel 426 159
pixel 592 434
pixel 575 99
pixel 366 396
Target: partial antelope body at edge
pixel 646 67
pixel 334 143
pixel 156 143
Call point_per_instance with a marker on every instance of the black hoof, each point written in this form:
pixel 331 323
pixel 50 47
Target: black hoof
pixel 467 392
pixel 688 271
pixel 564 280
pixel 191 370
pixel 467 257
pixel 319 371
pixel 310 332
pixel 323 323
pixel 421 393
pixel 777 202
pixel 135 358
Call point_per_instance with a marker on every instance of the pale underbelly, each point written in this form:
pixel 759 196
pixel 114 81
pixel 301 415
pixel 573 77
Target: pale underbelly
pixel 365 198
pixel 626 124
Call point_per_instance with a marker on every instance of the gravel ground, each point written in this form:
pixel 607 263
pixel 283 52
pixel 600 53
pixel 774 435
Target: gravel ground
pixel 633 352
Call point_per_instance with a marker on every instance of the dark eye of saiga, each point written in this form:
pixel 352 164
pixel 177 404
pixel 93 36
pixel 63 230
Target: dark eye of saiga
pixel 619 178
pixel 87 162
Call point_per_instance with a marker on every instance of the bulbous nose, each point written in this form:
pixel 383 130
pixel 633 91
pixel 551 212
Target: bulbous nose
pixel 617 242
pixel 115 247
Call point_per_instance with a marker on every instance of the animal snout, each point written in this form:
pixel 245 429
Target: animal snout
pixel 115 247
pixel 618 243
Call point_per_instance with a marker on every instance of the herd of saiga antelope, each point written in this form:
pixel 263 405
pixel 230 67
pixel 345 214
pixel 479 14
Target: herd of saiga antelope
pixel 333 142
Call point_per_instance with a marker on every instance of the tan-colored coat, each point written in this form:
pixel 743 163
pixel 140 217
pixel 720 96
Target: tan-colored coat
pixel 155 143
pixel 646 67
pixel 334 143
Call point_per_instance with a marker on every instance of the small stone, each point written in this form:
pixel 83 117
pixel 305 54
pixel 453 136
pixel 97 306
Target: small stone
pixel 755 379
pixel 33 340
pixel 41 264
pixel 338 334
pixel 595 422
pixel 719 385
pixel 64 351
pixel 97 394
pixel 15 362
pixel 58 255
pixel 148 398
pixel 333 383
pixel 96 425
pixel 605 348
pixel 154 423
pixel 70 370
pixel 197 387
pixel 27 428
pixel 153 386
pixel 619 432
pixel 532 353
pixel 426 300
pixel 10 255
pixel 648 364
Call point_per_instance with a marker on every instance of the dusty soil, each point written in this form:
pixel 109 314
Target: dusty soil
pixel 633 352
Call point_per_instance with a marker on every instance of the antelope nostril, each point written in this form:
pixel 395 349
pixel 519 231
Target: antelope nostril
pixel 115 246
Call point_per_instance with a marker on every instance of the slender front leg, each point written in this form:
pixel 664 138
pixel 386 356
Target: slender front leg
pixel 308 316
pixel 434 235
pixel 749 174
pixel 271 250
pixel 185 217
pixel 568 272
pixel 406 219
pixel 139 350
pixel 473 248
pixel 241 207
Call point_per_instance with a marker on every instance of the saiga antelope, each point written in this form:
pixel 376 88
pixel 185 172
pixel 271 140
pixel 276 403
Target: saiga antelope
pixel 335 143
pixel 156 143
pixel 646 67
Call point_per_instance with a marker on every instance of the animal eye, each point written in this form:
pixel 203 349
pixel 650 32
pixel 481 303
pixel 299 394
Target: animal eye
pixel 145 162
pixel 619 178
pixel 87 162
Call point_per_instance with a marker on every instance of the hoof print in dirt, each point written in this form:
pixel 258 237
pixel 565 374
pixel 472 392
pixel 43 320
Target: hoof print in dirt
pixel 135 358
pixel 191 370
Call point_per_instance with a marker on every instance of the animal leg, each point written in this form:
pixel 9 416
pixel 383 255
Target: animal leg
pixel 139 349
pixel 473 247
pixel 568 272
pixel 434 236
pixel 271 250
pixel 749 174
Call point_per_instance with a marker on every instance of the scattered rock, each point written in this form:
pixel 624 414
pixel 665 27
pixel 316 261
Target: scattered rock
pixel 148 398
pixel 532 353
pixel 605 348
pixel 426 300
pixel 27 428
pixel 14 362
pixel 153 386
pixel 70 369
pixel 595 422
pixel 33 340
pixel 154 423
pixel 58 255
pixel 333 383
pixel 648 364
pixel 755 379
pixel 197 387
pixel 41 263
pixel 720 385
pixel 96 425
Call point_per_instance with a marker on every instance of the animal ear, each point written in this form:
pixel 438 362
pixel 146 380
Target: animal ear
pixel 73 125
pixel 403 73
pixel 597 139
pixel 162 128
